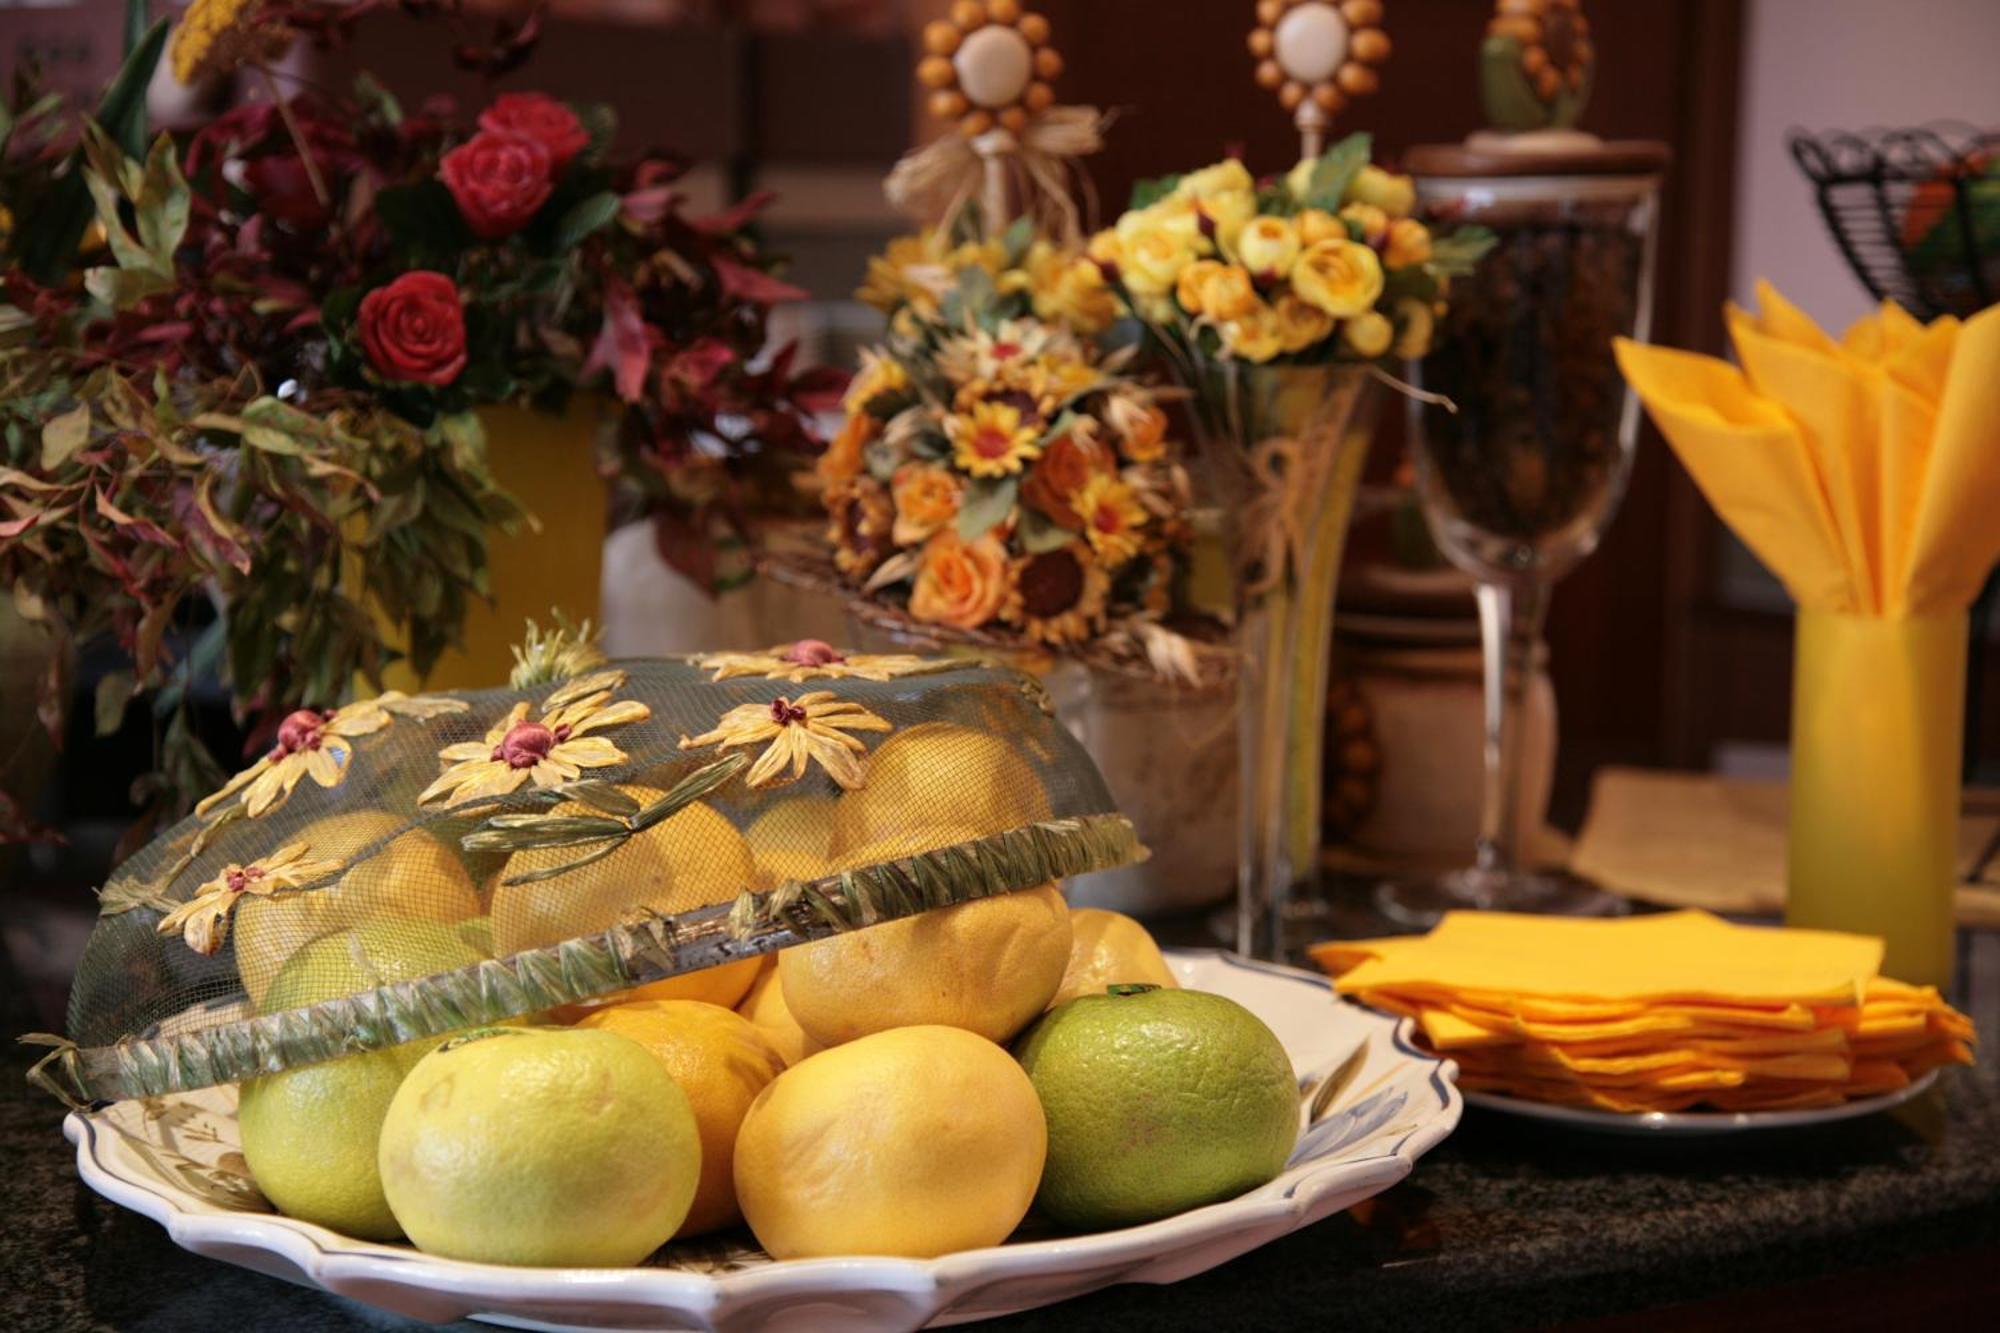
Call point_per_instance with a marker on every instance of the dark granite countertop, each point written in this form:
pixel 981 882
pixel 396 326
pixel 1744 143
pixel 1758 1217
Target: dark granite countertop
pixel 1505 1225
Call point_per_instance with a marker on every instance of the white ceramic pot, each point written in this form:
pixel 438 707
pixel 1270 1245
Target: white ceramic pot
pixel 1428 709
pixel 652 609
pixel 1169 758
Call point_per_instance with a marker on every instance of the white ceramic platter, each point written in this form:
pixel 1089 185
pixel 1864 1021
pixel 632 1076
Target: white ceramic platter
pixel 175 1159
pixel 1696 1124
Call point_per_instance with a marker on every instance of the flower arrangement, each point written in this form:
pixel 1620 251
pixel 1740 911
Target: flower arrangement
pixel 995 474
pixel 243 364
pixel 1326 264
pixel 911 279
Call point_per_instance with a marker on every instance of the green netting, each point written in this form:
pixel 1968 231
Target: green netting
pixel 407 866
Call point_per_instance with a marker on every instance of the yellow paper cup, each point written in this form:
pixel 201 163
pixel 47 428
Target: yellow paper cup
pixel 1878 711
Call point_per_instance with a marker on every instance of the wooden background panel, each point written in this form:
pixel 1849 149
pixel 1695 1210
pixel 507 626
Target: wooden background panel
pixel 1623 632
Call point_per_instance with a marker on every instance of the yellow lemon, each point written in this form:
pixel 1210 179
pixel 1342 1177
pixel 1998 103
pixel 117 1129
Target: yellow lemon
pixel 988 966
pixel 724 986
pixel 693 858
pixel 793 839
pixel 721 1062
pixel 1109 948
pixel 558 1147
pixel 413 876
pixel 937 773
pixel 915 1142
pixel 765 1006
pixel 310 1134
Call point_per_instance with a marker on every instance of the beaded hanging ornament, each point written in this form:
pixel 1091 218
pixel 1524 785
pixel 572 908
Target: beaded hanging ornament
pixel 1318 56
pixel 1536 65
pixel 990 69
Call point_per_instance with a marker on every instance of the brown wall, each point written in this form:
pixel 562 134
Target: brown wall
pixel 1624 652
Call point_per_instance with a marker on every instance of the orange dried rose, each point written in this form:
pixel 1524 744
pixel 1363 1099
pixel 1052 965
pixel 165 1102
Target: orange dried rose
pixel 961 583
pixel 1065 465
pixel 842 459
pixel 926 499
pixel 1142 429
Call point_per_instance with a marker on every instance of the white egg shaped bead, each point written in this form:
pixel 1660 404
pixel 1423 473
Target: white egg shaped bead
pixel 1311 41
pixel 995 66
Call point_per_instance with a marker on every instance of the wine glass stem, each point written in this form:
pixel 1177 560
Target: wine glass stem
pixel 1510 624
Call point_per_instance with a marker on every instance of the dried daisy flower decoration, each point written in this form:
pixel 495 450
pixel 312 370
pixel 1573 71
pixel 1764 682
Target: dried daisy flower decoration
pixel 319 743
pixel 815 659
pixel 813 728
pixel 548 752
pixel 203 920
pixel 563 653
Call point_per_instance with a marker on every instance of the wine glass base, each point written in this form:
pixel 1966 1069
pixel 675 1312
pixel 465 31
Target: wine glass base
pixel 1419 903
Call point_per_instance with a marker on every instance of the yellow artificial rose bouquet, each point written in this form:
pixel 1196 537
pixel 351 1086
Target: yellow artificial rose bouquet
pixel 1326 264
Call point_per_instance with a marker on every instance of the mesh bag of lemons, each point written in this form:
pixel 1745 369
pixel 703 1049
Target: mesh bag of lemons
pixel 635 951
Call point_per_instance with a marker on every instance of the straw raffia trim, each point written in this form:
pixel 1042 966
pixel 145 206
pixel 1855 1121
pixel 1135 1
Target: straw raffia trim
pixel 937 181
pixel 647 949
pixel 1120 652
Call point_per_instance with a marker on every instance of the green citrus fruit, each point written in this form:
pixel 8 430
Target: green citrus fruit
pixel 410 875
pixel 1157 1101
pixel 556 1147
pixel 309 1134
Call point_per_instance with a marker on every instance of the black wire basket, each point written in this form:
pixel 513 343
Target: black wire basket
pixel 1915 211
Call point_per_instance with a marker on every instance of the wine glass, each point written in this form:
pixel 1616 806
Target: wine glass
pixel 1521 471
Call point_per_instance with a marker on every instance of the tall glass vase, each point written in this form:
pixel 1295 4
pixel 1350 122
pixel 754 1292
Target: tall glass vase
pixel 1280 458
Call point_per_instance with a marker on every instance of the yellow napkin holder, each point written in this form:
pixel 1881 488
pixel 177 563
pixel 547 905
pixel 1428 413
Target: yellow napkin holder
pixel 1878 712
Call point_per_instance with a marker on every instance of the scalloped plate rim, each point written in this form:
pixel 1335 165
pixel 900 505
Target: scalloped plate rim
pixel 1699 1124
pixel 1303 1193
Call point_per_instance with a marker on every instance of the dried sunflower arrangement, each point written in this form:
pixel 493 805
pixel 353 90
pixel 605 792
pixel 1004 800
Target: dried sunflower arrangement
pixel 998 478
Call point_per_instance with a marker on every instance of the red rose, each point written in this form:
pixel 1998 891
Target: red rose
pixel 498 179
pixel 535 116
pixel 414 330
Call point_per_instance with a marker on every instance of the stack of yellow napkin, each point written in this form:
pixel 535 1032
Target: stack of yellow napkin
pixel 1655 1013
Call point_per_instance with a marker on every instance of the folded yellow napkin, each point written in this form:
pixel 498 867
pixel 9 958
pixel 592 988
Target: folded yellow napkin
pixel 1653 1013
pixel 1865 473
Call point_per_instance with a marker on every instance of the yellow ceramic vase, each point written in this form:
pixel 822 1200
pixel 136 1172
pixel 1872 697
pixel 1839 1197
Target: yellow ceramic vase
pixel 1878 711
pixel 549 463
